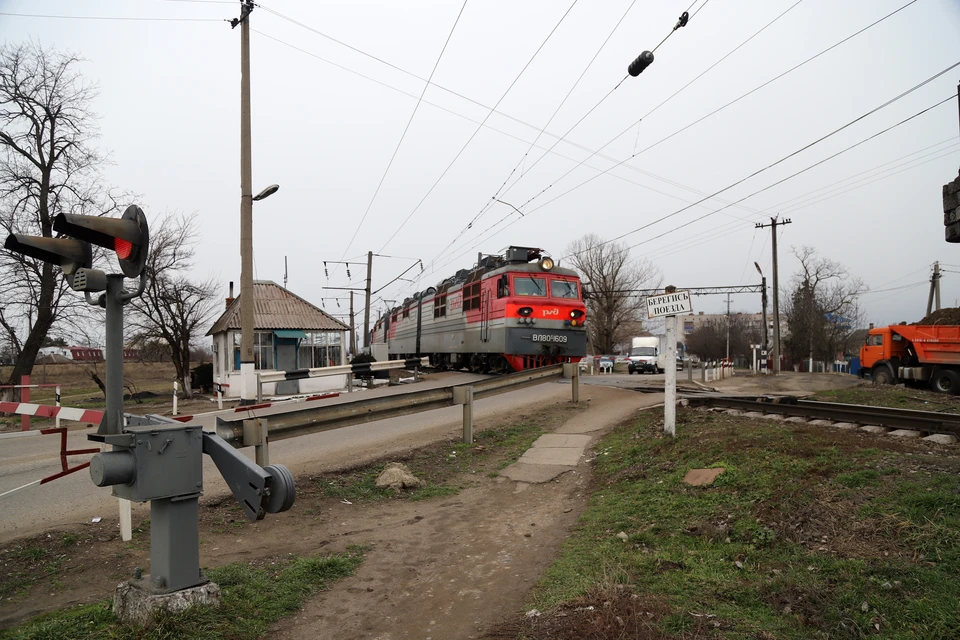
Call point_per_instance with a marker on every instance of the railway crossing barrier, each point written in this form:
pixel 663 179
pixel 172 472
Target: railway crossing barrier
pixel 299 422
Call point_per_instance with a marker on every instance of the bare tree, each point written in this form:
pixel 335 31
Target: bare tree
pixel 47 166
pixel 822 307
pixel 173 308
pixel 611 280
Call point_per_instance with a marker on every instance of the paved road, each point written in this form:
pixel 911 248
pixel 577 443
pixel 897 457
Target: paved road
pixel 74 499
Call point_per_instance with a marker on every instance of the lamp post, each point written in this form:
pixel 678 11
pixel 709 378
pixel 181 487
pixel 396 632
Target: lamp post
pixel 248 392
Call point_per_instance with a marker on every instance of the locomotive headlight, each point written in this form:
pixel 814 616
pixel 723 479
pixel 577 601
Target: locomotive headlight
pixel 546 264
pixel 525 311
pixel 576 313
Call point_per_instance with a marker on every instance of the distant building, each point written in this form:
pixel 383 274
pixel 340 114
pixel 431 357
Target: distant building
pixel 79 354
pixel 691 322
pixel 289 333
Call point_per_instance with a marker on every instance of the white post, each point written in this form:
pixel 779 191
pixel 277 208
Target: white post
pixel 670 385
pixel 126 521
pixel 754 358
pixel 219 395
pixel 176 387
pixel 57 419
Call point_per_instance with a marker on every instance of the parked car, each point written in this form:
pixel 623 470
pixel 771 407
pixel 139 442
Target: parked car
pixel 585 362
pixel 606 364
pixel 621 359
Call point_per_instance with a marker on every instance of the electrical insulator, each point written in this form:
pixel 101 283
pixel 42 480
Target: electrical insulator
pixel 325 272
pixel 643 61
pixel 348 270
pixel 682 22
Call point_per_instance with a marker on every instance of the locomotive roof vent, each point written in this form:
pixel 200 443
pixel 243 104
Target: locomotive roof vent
pixel 522 254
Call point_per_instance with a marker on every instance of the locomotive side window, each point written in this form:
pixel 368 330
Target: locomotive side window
pixel 503 286
pixel 564 289
pixel 440 307
pixel 529 287
pixel 406 313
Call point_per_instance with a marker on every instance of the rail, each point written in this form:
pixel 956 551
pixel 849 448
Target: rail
pixel 239 433
pixel 927 421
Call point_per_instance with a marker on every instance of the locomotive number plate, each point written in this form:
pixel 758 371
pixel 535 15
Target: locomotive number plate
pixel 543 337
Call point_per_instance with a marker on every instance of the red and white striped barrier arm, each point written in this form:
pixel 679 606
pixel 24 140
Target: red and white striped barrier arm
pixel 44 411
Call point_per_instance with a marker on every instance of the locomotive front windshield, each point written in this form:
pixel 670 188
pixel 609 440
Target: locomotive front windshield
pixel 529 287
pixel 564 289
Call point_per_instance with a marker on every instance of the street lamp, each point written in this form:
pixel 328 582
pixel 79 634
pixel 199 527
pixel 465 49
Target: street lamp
pixel 266 193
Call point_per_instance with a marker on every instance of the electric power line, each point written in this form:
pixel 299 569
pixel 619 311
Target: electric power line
pixel 118 18
pixel 405 129
pixel 477 130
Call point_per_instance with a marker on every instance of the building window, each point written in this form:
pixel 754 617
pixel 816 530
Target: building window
pixel 262 350
pixel 320 349
pixel 440 306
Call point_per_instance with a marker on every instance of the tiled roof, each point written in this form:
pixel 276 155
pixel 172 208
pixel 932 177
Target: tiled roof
pixel 277 308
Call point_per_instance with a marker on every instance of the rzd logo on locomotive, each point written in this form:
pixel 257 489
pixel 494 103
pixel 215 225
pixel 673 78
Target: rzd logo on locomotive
pixel 550 312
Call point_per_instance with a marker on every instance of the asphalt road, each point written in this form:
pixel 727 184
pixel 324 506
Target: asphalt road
pixel 74 499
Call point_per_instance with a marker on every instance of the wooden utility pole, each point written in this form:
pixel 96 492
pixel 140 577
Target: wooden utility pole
pixel 774 223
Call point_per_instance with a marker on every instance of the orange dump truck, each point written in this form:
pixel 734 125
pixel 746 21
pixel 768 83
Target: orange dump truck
pixel 919 353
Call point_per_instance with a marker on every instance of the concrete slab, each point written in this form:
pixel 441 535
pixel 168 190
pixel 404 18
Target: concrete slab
pixel 776 417
pixel 753 414
pixel 562 440
pixel 905 433
pixel 821 423
pixel 534 473
pixel 796 419
pixel 942 438
pixel 565 456
pixel 849 426
pixel 870 428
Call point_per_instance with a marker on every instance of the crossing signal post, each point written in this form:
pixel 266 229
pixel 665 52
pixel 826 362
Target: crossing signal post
pixel 153 459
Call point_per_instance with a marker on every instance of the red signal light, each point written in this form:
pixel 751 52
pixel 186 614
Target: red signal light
pixel 123 248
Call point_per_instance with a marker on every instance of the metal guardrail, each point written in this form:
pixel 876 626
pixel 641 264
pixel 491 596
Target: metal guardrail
pixel 305 421
pixel 928 421
pixel 355 369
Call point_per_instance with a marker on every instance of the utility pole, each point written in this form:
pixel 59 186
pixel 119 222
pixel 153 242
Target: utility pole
pixel 728 326
pixel 353 332
pixel 934 288
pixel 247 380
pixel 366 310
pixel 774 223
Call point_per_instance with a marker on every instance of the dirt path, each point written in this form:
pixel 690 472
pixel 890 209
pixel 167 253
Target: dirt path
pixel 449 568
pixel 787 382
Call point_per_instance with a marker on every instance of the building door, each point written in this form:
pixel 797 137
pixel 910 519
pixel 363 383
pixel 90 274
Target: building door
pixel 287 361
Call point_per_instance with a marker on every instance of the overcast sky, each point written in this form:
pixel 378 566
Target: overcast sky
pixel 328 118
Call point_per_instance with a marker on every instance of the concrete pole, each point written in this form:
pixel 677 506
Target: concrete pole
pixel 353 329
pixel 936 280
pixel 776 302
pixel 366 311
pixel 670 386
pixel 246 216
pixel 728 325
pixel 766 343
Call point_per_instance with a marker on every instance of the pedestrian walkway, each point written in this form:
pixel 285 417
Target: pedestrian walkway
pixel 562 450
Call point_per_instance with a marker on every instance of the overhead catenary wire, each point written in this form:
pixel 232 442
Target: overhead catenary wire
pixel 113 18
pixel 405 129
pixel 479 127
pixel 782 180
pixel 712 113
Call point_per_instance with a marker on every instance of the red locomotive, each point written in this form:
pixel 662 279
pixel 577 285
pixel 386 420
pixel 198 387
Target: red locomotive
pixel 511 312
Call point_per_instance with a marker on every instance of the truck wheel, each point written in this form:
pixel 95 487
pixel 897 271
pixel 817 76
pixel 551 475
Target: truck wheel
pixel 882 375
pixel 946 381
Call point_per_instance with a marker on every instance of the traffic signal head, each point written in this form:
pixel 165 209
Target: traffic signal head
pixel 129 236
pixel 68 253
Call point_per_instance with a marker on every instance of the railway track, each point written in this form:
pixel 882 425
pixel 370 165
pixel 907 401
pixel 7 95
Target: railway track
pixel 928 422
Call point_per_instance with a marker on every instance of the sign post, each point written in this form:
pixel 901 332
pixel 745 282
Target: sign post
pixel 667 306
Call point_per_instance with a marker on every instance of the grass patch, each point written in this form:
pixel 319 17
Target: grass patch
pixel 254 596
pixel 892 396
pixel 807 534
pixel 445 468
